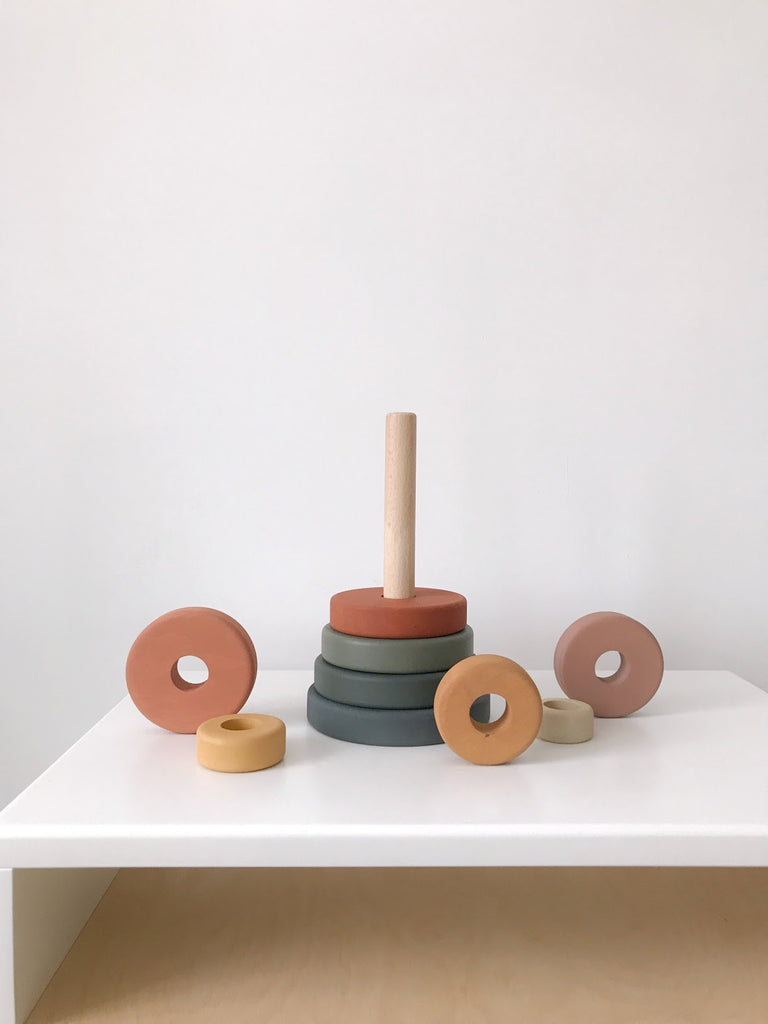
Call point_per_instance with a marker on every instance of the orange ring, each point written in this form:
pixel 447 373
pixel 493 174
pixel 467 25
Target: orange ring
pixel 152 674
pixel 493 742
pixel 366 612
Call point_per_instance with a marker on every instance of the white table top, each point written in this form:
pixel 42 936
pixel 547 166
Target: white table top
pixel 684 781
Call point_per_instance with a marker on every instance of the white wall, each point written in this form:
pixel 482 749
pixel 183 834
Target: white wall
pixel 234 235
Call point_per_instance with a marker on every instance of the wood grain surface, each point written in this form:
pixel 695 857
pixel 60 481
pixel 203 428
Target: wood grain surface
pixel 400 505
pixel 522 945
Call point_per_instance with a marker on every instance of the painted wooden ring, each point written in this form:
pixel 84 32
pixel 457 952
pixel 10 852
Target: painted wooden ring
pixel 367 612
pixel 492 742
pixel 379 727
pixel 637 678
pixel 375 689
pixel 424 654
pixel 566 721
pixel 152 674
pixel 241 743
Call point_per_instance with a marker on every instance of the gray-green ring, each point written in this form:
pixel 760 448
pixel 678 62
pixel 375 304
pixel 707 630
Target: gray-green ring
pixel 380 727
pixel 376 689
pixel 396 657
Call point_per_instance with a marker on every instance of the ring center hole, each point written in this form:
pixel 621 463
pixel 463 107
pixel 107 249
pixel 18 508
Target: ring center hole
pixel 608 664
pixel 498 707
pixel 559 704
pixel 192 670
pixel 237 724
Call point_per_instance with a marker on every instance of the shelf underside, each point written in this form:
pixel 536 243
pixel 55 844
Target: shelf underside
pixel 600 946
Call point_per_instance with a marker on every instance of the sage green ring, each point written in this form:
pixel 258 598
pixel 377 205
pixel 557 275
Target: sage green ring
pixel 376 689
pixel 566 721
pixel 396 657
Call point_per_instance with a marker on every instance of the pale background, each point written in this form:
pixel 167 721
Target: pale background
pixel 234 234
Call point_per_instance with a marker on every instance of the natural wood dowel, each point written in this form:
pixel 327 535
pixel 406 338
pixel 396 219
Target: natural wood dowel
pixel 400 505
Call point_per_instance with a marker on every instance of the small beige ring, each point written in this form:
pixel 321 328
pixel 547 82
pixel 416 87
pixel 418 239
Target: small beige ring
pixel 241 743
pixel 566 721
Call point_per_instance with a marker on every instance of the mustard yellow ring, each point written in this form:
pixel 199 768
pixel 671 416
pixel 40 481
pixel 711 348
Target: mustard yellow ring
pixel 241 743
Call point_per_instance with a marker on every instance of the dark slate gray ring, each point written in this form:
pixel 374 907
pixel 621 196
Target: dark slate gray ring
pixel 376 689
pixel 379 727
pixel 396 657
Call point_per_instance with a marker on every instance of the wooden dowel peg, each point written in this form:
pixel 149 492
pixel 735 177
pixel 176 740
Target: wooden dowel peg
pixel 400 505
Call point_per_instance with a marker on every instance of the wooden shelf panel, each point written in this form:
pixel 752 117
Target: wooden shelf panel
pixel 530 945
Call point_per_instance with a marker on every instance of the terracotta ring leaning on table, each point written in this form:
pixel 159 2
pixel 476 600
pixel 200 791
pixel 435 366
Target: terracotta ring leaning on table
pixel 495 742
pixel 152 674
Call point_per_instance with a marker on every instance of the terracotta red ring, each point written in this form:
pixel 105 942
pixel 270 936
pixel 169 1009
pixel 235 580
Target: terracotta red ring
pixel 153 678
pixel 367 612
pixel 637 678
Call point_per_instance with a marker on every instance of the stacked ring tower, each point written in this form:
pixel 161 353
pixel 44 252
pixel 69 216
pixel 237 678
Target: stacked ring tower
pixel 386 649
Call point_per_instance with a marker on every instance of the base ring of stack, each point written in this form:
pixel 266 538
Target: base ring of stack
pixel 413 727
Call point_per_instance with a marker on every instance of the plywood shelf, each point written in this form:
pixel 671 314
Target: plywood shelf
pixel 428 946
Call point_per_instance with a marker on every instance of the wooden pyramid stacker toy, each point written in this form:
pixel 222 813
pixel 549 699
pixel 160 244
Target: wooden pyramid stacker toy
pixel 386 649
pixel 397 666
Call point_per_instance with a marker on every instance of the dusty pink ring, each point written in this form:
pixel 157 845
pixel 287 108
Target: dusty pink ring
pixel 637 678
